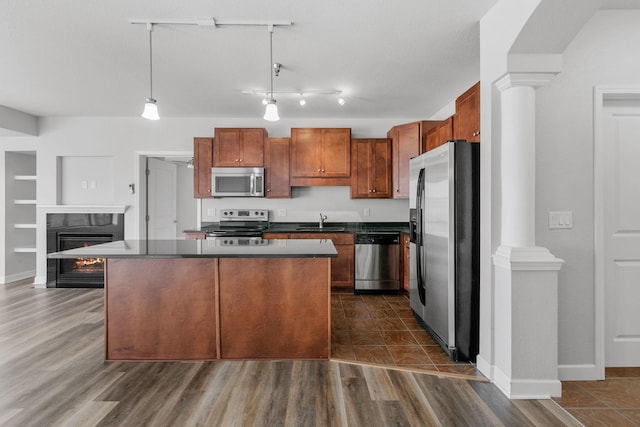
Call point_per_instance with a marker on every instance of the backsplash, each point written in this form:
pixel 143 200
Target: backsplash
pixel 306 203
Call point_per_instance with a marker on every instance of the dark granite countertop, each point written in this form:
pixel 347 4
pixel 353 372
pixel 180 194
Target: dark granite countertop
pixel 209 248
pixel 330 227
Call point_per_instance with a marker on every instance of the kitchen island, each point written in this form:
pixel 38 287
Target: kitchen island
pixel 215 299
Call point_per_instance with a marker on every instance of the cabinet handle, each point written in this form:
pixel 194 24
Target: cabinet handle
pixel 397 190
pixel 322 170
pixel 476 133
pixel 374 191
pixel 319 170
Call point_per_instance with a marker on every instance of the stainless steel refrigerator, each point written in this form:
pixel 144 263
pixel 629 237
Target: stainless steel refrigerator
pixel 445 240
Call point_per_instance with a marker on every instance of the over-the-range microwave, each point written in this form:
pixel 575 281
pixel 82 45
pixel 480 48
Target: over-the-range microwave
pixel 237 182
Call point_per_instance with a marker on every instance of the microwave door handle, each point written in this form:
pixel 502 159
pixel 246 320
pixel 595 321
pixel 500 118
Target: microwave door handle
pixel 252 188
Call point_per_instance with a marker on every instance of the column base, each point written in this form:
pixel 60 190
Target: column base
pixel 526 322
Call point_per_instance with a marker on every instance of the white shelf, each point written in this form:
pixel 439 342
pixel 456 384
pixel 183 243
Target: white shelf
pixel 24 177
pixel 24 250
pixel 24 225
pixel 24 202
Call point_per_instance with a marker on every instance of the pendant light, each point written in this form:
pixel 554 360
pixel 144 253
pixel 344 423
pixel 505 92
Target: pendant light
pixel 271 111
pixel 150 107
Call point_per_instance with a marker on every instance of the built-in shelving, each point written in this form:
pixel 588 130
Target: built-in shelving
pixel 24 250
pixel 24 177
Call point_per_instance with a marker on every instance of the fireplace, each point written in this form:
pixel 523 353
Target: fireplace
pixel 76 230
pixel 86 272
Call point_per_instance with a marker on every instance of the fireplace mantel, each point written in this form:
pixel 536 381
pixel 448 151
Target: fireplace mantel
pixel 104 209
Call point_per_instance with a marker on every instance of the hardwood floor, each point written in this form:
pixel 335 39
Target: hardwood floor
pixel 52 373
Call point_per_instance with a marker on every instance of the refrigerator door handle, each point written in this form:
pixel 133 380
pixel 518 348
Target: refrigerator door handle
pixel 421 275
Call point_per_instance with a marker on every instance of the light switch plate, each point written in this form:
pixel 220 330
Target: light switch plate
pixel 282 212
pixel 367 211
pixel 211 212
pixel 560 219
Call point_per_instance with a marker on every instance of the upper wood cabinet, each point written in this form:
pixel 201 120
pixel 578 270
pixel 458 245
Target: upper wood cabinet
pixel 276 158
pixel 439 134
pixel 371 168
pixel 467 119
pixel 320 156
pixel 407 141
pixel 202 162
pixel 242 147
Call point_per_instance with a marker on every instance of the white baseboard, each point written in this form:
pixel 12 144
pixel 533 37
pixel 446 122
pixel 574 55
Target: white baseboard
pixel 17 276
pixel 484 367
pixel 587 372
pixel 40 282
pixel 527 388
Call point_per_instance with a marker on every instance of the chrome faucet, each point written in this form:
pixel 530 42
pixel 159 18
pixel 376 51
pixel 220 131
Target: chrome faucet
pixel 321 222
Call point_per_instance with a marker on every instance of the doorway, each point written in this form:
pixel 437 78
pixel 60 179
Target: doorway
pixel 617 202
pixel 165 195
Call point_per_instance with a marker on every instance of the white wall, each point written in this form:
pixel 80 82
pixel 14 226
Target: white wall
pixel 605 52
pixel 122 139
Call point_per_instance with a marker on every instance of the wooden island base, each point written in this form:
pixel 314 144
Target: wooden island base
pixel 217 308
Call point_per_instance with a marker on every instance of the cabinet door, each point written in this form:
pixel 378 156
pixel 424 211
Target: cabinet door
pixel 336 153
pixel 251 151
pixel 406 146
pixel 467 122
pixel 342 267
pixel 371 168
pixel 445 131
pixel 277 168
pixel 406 261
pixel 306 147
pixel 226 147
pixel 362 169
pixel 432 138
pixel 381 158
pixel 202 162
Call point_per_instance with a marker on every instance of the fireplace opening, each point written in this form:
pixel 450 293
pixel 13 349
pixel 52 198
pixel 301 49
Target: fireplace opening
pixel 80 272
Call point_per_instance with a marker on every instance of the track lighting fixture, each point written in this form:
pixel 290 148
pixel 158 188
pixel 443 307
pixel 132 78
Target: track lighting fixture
pixel 341 101
pixel 303 101
pixel 271 111
pixel 150 107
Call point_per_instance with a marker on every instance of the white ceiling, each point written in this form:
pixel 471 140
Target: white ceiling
pixel 405 58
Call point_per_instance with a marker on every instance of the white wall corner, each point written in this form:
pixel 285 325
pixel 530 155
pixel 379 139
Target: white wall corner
pixel 17 123
pixel 534 63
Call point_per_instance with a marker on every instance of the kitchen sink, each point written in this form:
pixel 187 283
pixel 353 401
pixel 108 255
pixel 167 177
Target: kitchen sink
pixel 315 228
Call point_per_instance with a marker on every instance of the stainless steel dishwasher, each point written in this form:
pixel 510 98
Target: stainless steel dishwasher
pixel 377 267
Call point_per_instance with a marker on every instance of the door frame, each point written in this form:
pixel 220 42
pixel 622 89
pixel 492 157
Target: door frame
pixel 602 93
pixel 141 187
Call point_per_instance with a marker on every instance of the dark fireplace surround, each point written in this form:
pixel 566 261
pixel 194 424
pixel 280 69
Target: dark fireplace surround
pixel 75 230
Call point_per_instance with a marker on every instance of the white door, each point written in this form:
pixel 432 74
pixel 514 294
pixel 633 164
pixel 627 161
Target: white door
pixel 161 203
pixel 621 208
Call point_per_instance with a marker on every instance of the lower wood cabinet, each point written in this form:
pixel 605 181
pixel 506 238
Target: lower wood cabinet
pixel 405 264
pixel 342 267
pixel 153 313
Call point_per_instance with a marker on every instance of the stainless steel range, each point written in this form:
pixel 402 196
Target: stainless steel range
pixel 246 223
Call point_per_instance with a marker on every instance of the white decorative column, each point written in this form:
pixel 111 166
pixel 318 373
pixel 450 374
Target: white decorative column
pixel 526 276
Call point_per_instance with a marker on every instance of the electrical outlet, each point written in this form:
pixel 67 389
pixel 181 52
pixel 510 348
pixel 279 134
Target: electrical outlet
pixel 282 212
pixel 560 220
pixel 83 185
pixel 92 185
pixel 211 212
pixel 367 211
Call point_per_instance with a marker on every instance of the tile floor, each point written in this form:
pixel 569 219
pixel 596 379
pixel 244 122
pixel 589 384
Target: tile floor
pixel 381 329
pixel 612 402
